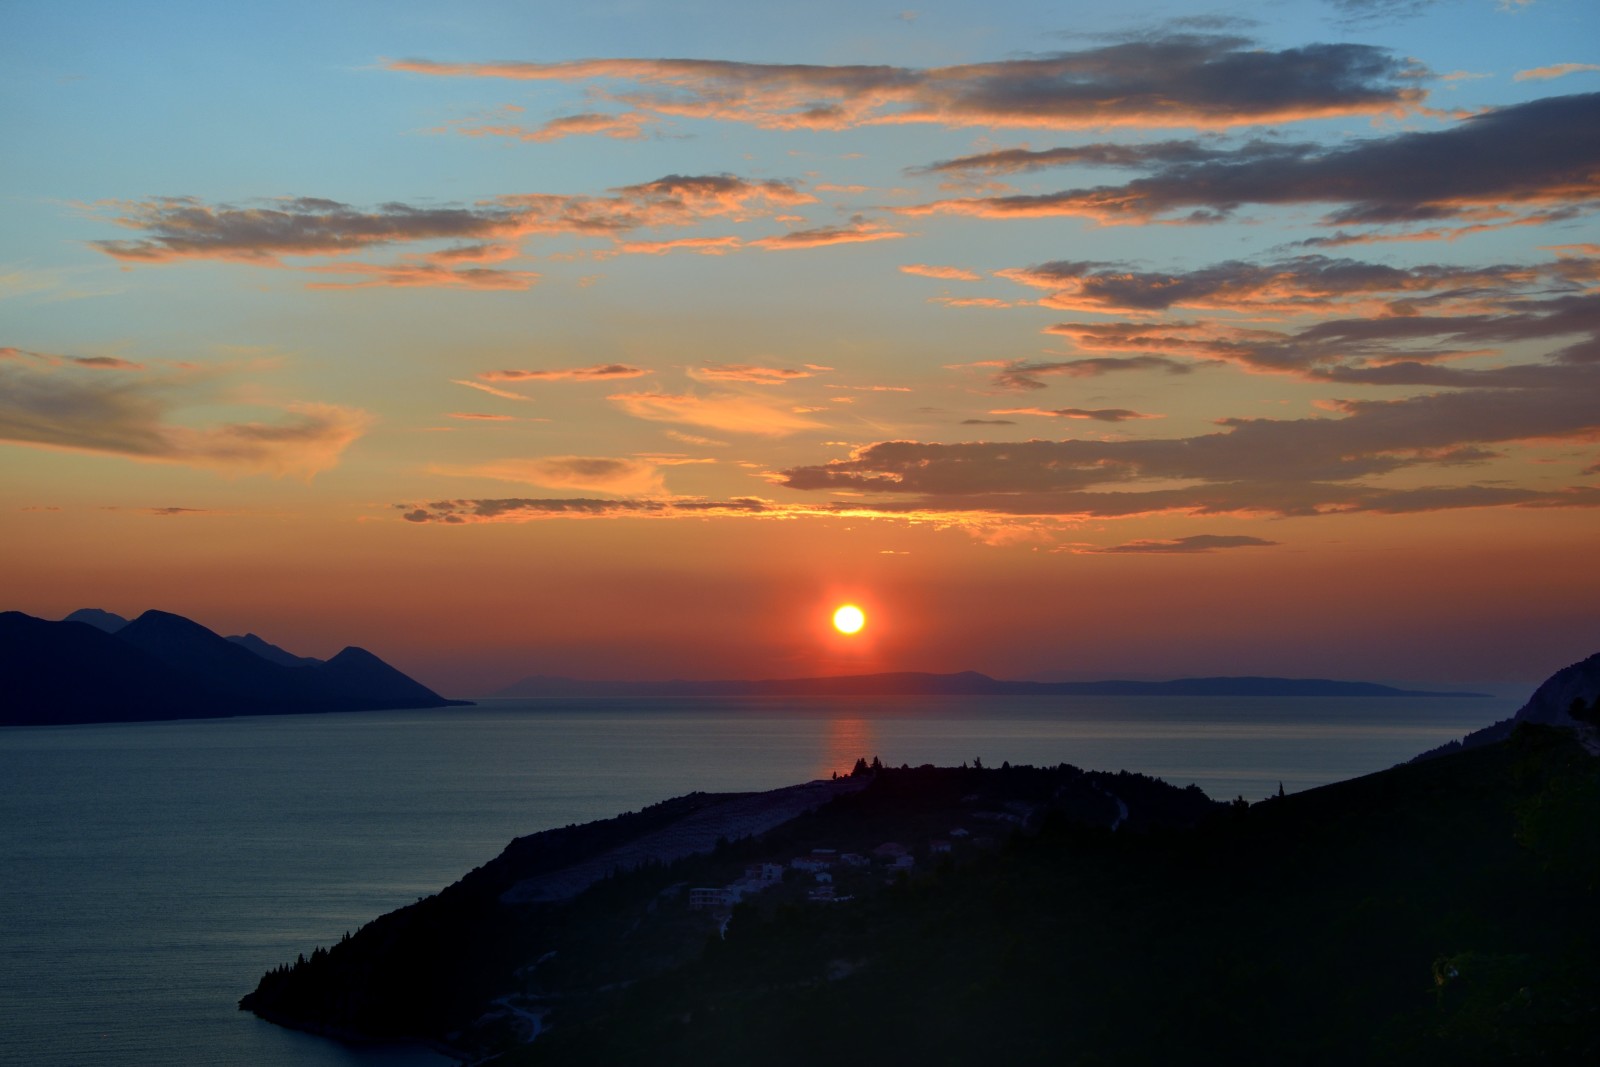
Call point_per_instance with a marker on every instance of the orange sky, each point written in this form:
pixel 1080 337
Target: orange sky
pixel 504 345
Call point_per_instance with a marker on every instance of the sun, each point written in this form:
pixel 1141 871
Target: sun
pixel 849 619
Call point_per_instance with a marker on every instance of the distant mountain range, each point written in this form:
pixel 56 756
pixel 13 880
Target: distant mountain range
pixel 966 683
pixel 95 666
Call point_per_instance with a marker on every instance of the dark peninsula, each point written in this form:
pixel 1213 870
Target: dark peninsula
pixel 1440 911
pixel 94 666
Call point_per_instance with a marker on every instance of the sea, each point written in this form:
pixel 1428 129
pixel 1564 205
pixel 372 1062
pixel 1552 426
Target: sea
pixel 151 872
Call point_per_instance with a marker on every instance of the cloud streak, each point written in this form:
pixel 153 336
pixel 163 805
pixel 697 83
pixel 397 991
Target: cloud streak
pixel 132 416
pixel 1192 80
pixel 597 373
pixel 1516 163
pixel 728 412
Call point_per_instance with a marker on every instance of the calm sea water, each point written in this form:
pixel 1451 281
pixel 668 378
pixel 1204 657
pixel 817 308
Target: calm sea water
pixel 150 872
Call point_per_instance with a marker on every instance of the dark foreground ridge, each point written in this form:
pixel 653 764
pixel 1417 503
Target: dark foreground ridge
pixel 94 666
pixel 1441 911
pixel 963 683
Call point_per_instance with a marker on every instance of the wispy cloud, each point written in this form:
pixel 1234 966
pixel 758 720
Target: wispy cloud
pixel 950 274
pixel 80 407
pixel 1292 286
pixel 1173 80
pixel 1498 167
pixel 628 477
pixel 1095 414
pixel 859 230
pixel 623 126
pixel 729 412
pixel 174 228
pixel 596 373
pixel 744 372
pixel 504 394
pixel 1195 543
pixel 1555 70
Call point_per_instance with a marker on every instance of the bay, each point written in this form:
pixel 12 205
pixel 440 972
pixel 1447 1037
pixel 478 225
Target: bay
pixel 152 871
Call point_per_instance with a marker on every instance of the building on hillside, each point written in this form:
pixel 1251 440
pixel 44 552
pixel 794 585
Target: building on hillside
pixel 710 898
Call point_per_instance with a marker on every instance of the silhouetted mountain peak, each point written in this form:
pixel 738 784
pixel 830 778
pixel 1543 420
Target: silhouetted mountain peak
pixel 164 666
pixel 271 652
pixel 108 621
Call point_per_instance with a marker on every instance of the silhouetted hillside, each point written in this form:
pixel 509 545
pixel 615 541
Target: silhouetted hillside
pixel 164 666
pixel 1569 698
pixel 1437 912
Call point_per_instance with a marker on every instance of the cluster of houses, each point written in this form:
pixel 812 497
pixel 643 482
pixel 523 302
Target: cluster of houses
pixel 821 864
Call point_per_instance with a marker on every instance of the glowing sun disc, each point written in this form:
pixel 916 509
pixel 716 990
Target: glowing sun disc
pixel 849 619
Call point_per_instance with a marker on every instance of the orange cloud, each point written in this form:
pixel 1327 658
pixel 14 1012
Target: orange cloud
pixel 705 246
pixel 1096 414
pixel 598 372
pixel 626 477
pixel 1176 80
pixel 744 372
pixel 953 274
pixel 416 275
pixel 505 394
pixel 1555 70
pixel 175 228
pixel 858 231
pixel 628 126
pixel 59 407
pixel 729 412
pixel 1492 168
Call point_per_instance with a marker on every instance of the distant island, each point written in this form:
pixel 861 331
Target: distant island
pixel 964 683
pixel 96 666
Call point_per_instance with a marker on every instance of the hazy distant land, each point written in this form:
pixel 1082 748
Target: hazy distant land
pixel 964 683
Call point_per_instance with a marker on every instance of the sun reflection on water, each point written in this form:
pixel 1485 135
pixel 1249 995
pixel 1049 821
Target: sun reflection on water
pixel 847 740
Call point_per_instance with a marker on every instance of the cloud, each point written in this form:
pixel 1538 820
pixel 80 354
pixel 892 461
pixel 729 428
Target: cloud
pixel 1025 374
pixel 1555 70
pixel 627 126
pixel 729 412
pixel 176 228
pixel 988 422
pixel 523 509
pixel 185 227
pixel 696 439
pixel 858 231
pixel 1290 286
pixel 1195 543
pixel 627 477
pixel 705 246
pixel 478 416
pixel 504 394
pixel 598 372
pixel 1096 414
pixel 744 372
pixel 1388 349
pixel 1024 160
pixel 55 407
pixel 1496 167
pixel 1173 80
pixel 952 274
pixel 1287 466
pixel 418 275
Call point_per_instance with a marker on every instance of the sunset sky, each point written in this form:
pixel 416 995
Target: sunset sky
pixel 624 339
